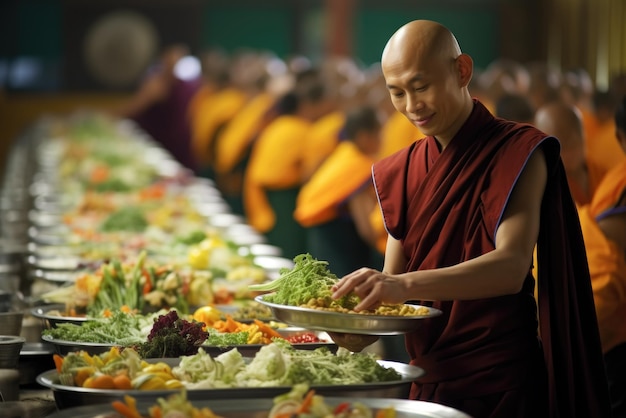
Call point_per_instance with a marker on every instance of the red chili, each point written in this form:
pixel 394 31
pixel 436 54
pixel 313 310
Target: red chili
pixel 307 337
pixel 342 407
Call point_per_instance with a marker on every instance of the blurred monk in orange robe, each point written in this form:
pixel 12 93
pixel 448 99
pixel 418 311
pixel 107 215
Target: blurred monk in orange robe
pixel 599 126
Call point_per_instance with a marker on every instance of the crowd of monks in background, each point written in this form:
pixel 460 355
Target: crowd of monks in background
pixel 290 145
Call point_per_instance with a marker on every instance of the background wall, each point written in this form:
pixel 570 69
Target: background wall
pixel 44 37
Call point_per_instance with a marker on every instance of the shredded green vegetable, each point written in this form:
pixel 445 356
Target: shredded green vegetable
pixel 279 364
pixel 120 329
pixel 130 219
pixel 309 279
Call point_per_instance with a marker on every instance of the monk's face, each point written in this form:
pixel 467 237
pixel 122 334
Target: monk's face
pixel 427 88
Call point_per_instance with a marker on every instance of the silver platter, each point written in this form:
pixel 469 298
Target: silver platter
pixel 64 347
pixel 48 314
pixel 247 350
pixel 352 323
pixel 71 396
pixel 259 408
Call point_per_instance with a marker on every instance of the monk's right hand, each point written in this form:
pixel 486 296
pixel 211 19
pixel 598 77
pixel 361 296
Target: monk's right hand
pixel 372 287
pixel 352 342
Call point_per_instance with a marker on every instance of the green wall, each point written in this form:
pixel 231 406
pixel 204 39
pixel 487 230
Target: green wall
pixel 476 30
pixel 34 27
pixel 259 27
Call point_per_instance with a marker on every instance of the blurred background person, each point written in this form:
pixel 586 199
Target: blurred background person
pixel 159 106
pixel 220 102
pixel 335 204
pixel 516 107
pixel 603 223
pixel 234 143
pixel 274 173
pixel 599 126
pixel 564 122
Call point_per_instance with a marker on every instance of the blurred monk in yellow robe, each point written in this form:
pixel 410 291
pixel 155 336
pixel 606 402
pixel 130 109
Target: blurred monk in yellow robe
pixel 336 203
pixel 234 144
pixel 398 132
pixel 274 174
pixel 321 141
pixel 211 112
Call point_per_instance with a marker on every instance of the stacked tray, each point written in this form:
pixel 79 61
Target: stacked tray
pixel 259 407
pixel 70 396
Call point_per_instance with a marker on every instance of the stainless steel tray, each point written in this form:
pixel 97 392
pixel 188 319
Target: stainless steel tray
pixel 247 350
pixel 56 276
pixel 347 323
pixel 69 396
pixel 64 347
pixel 46 314
pixel 59 263
pixel 259 408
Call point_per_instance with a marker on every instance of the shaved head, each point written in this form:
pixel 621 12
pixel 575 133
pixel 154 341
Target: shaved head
pixel 427 77
pixel 422 38
pixel 562 121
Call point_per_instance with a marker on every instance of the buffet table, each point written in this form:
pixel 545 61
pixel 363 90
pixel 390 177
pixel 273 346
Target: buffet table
pixel 99 226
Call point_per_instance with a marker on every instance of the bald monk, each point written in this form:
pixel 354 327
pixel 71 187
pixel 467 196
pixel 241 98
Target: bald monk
pixel 336 203
pixel 464 208
pixel 564 122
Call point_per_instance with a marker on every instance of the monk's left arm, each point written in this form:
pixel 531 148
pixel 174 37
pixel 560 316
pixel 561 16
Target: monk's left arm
pixel 503 270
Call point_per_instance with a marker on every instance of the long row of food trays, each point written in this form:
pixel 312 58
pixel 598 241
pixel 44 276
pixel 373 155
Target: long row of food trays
pixel 106 195
pixel 120 232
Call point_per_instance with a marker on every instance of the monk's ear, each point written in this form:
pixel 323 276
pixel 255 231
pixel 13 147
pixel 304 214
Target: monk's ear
pixel 464 69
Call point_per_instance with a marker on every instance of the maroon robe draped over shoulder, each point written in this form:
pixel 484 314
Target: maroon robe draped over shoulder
pixel 445 208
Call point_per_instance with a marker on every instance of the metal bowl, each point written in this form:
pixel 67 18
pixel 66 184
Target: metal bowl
pixel 259 408
pixel 353 323
pixel 35 358
pixel 70 396
pixel 57 276
pixel 59 263
pixel 249 350
pixel 63 347
pixel 49 315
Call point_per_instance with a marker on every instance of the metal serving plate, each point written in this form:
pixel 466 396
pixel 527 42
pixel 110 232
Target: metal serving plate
pixel 47 313
pixel 60 263
pixel 70 396
pixel 58 276
pixel 353 323
pixel 44 219
pixel 49 236
pixel 63 347
pixel 259 408
pixel 249 350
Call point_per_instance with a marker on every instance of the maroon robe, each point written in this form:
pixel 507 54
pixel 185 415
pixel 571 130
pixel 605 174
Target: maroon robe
pixel 484 356
pixel 167 121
